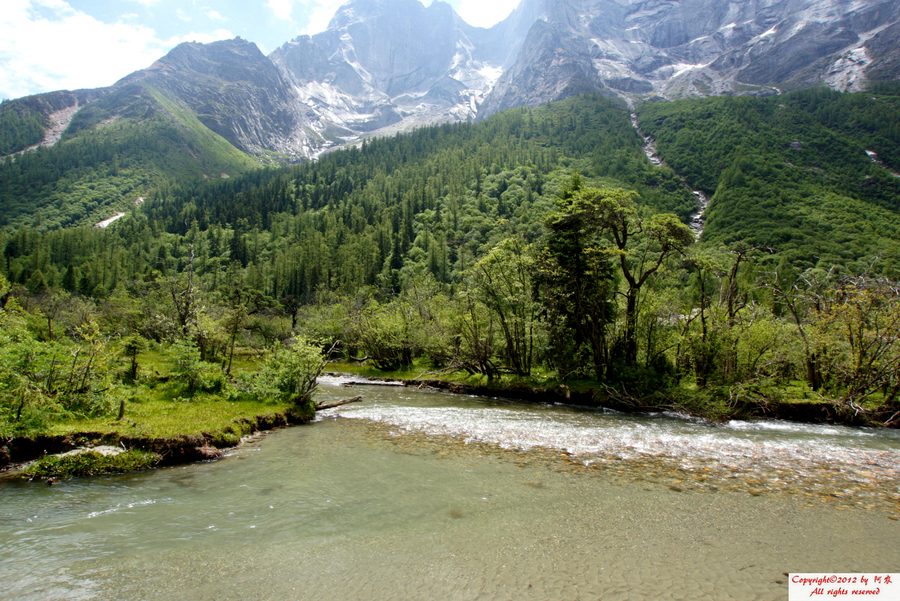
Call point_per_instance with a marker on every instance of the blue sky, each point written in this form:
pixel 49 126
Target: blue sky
pixel 48 45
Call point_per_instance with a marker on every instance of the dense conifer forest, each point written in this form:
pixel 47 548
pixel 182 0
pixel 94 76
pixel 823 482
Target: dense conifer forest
pixel 540 245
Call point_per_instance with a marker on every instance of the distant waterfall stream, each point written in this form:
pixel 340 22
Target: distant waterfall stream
pixel 697 217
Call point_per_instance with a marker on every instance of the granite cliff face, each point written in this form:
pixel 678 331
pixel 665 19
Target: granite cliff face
pixel 383 62
pixel 384 66
pixel 681 48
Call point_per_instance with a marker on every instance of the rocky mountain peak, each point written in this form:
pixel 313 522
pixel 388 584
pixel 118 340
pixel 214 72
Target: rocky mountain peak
pixel 401 44
pixel 390 65
pixel 235 90
pixel 678 48
pixel 227 60
pixel 366 10
pixel 386 65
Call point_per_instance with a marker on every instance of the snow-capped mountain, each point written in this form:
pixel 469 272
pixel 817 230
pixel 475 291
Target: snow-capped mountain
pixel 384 66
pixel 679 48
pixel 389 64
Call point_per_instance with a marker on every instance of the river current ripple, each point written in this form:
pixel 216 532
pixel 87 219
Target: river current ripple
pixel 416 494
pixel 832 460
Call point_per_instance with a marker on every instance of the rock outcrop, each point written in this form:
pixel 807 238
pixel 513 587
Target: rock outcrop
pixel 680 48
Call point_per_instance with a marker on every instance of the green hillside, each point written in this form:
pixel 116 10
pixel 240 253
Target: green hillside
pixel 116 150
pixel 792 172
pixel 437 198
pixel 21 125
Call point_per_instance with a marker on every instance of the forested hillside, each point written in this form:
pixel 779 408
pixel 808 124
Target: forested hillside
pixel 793 172
pixel 435 199
pixel 21 126
pixel 538 243
pixel 105 161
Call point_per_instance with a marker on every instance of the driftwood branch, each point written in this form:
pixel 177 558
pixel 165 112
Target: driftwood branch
pixel 373 383
pixel 355 399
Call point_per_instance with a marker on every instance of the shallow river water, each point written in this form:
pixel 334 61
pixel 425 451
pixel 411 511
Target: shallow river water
pixel 421 495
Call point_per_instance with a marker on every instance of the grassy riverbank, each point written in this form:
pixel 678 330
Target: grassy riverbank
pixel 163 406
pixel 152 433
pixel 160 425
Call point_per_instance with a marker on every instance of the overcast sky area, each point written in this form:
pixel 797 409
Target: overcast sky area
pixel 48 45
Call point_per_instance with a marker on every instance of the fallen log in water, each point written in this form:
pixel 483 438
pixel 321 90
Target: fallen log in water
pixel 372 383
pixel 355 399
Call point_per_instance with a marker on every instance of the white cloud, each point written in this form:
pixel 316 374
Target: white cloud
pixel 320 13
pixel 282 8
pixel 215 15
pixel 483 13
pixel 47 45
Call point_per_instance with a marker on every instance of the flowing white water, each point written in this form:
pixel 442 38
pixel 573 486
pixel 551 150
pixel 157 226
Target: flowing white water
pixel 421 495
pixel 784 451
pixel 698 217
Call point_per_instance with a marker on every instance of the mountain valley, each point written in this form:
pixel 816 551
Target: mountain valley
pixel 528 226
pixel 384 66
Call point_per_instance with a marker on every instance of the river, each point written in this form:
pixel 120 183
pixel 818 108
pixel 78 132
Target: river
pixel 415 494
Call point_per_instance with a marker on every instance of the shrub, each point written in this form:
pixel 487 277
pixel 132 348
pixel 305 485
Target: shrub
pixel 289 375
pixel 90 463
